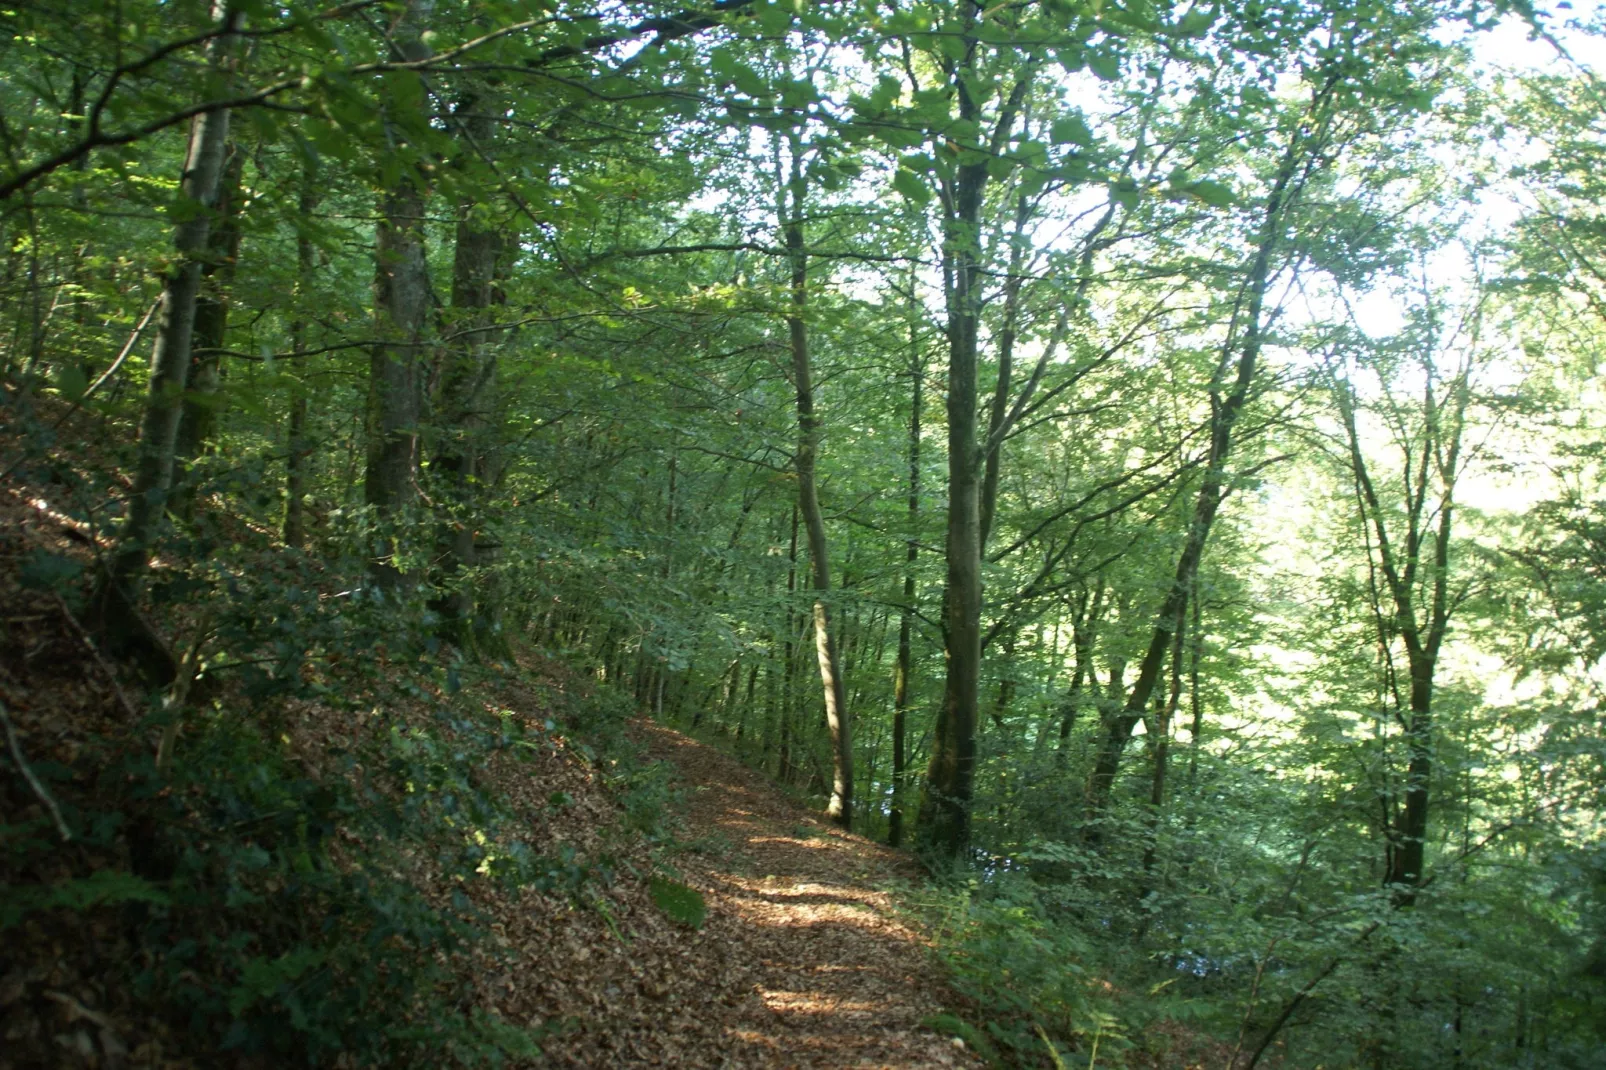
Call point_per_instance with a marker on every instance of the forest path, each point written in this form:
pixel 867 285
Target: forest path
pixel 837 980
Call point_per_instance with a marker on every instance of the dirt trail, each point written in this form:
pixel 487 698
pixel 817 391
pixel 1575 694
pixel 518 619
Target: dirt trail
pixel 835 980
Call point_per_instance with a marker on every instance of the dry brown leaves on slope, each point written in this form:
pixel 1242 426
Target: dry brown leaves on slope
pixel 799 964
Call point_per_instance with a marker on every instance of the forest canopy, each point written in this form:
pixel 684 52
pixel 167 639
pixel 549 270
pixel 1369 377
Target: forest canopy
pixel 1144 459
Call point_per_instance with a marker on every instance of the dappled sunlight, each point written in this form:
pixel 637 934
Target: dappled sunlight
pixel 836 980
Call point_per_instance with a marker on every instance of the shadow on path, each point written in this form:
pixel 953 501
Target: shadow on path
pixel 836 981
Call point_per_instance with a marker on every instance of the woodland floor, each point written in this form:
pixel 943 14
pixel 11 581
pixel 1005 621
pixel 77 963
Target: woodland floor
pixel 801 962
pixel 834 978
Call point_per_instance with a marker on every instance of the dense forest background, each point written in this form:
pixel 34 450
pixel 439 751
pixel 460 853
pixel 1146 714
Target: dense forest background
pixel 1144 459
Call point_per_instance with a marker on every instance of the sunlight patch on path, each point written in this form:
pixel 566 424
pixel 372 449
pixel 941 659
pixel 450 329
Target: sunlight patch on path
pixel 836 980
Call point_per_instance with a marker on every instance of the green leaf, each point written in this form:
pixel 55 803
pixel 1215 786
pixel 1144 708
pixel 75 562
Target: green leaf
pixel 1070 130
pixel 1195 23
pixel 71 381
pixel 1215 194
pixel 772 19
pixel 263 979
pixel 912 186
pixel 679 902
pixel 1107 65
pixel 885 93
pixel 100 888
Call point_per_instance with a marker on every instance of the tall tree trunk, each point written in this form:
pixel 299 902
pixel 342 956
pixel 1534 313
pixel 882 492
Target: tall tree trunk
pixel 1195 697
pixel 1007 336
pixel 199 419
pixel 900 680
pixel 1400 565
pixel 298 450
pixel 945 805
pixel 469 380
pixel 946 802
pixel 1160 744
pixel 170 363
pixel 786 769
pixel 840 808
pixel 402 299
pixel 1084 630
pixel 1224 418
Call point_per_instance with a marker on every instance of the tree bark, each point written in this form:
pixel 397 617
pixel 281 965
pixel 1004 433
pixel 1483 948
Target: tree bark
pixel 840 807
pixel 199 419
pixel 469 381
pixel 946 802
pixel 1224 418
pixel 1084 630
pixel 402 300
pixel 170 364
pixel 900 680
pixel 945 805
pixel 298 451
pixel 1440 452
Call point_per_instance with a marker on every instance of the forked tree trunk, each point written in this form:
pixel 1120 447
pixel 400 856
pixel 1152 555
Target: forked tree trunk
pixel 1224 418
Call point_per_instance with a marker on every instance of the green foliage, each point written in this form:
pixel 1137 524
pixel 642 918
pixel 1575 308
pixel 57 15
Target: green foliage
pixel 678 901
pixel 105 887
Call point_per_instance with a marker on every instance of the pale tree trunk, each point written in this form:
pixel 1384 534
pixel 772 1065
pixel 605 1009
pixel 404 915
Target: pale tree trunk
pixel 1007 336
pixel 1401 567
pixel 402 299
pixel 1085 620
pixel 840 807
pixel 170 363
pixel 786 769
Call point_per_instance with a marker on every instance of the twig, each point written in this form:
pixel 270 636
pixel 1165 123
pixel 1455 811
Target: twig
pixel 28 775
pixel 111 674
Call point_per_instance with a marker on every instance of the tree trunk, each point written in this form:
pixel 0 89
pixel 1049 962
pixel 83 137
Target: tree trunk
pixel 1084 629
pixel 199 419
pixel 170 363
pixel 402 299
pixel 471 359
pixel 945 807
pixel 1195 697
pixel 1006 364
pixel 900 680
pixel 785 766
pixel 840 808
pixel 298 449
pixel 1224 418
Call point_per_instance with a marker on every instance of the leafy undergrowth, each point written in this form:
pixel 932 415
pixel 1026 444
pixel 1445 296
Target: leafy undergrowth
pixel 1036 991
pixel 341 845
pixel 358 851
